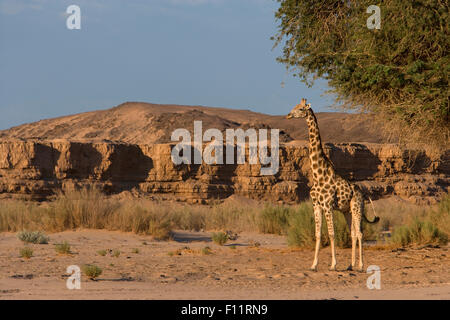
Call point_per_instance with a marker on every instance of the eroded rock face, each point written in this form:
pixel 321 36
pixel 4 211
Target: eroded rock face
pixel 37 170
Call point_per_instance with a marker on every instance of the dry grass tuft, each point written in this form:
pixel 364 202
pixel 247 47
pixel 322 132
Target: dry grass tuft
pixel 26 252
pixel 63 248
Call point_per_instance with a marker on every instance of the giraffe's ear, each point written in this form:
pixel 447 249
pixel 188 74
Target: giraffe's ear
pixel 308 106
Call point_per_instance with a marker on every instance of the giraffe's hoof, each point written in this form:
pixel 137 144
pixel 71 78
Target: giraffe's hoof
pixel 333 268
pixel 350 268
pixel 361 269
pixel 314 268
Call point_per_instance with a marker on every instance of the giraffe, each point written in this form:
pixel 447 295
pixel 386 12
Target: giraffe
pixel 331 191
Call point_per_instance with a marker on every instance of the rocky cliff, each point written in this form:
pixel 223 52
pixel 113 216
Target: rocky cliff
pixel 37 170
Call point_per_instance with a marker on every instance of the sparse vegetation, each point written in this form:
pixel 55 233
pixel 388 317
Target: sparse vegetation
pixel 220 238
pixel 115 253
pixel 101 253
pixel 418 232
pixel 91 271
pixel 36 237
pixel 74 210
pixel 206 251
pixel 26 252
pixel 274 219
pixel 62 248
pixel 89 208
pixel 441 217
pixel 135 250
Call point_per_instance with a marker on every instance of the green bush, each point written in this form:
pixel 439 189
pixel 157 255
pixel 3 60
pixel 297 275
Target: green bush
pixel 441 217
pixel 206 251
pixel 92 271
pixel 101 253
pixel 116 253
pixel 62 248
pixel 36 237
pixel 302 229
pixel 418 232
pixel 26 252
pixel 274 219
pixel 220 238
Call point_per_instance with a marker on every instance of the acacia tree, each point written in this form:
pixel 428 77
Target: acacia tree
pixel 398 72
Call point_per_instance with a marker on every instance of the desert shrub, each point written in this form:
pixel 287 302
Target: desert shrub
pixel 135 250
pixel 85 208
pixel 116 253
pixel 91 271
pixel 26 252
pixel 441 217
pixel 274 219
pixel 342 233
pixel 101 253
pixel 220 238
pixel 231 217
pixel 301 231
pixel 160 230
pixel 89 208
pixel 419 231
pixel 62 248
pixel 206 251
pixel 36 237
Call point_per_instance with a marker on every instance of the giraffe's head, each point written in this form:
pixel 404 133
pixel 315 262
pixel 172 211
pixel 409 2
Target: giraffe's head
pixel 300 110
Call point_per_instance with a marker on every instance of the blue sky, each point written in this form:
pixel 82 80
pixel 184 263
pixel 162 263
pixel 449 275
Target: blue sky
pixel 195 52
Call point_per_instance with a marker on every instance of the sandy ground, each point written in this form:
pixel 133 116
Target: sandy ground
pixel 271 270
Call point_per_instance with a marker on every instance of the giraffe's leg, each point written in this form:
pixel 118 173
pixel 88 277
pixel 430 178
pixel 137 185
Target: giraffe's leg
pixel 329 216
pixel 348 218
pixel 353 234
pixel 359 235
pixel 357 211
pixel 318 223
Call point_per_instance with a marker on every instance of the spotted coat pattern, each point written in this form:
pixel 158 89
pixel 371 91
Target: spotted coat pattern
pixel 330 191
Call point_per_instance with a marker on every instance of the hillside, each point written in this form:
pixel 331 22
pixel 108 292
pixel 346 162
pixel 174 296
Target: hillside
pixel 145 123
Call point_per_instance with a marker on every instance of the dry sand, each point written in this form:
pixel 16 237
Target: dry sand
pixel 269 271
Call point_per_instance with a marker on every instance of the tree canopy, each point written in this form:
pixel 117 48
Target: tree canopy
pixel 398 72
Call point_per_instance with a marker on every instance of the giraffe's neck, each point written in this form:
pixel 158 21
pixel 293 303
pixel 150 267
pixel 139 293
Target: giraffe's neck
pixel 319 162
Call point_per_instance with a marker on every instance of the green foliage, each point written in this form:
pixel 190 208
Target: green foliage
pixel 116 253
pixel 26 252
pixel 399 72
pixel 36 237
pixel 92 271
pixel 220 238
pixel 274 219
pixel 62 248
pixel 206 251
pixel 301 231
pixel 441 217
pixel 419 231
pixel 101 253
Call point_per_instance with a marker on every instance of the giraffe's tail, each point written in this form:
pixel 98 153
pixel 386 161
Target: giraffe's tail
pixel 376 218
